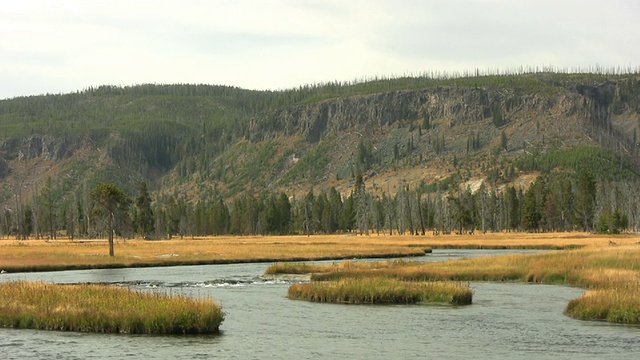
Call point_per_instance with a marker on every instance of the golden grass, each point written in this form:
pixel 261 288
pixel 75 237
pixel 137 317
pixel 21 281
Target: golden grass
pixel 613 272
pixel 38 255
pixel 18 256
pixel 99 308
pixel 613 305
pixel 382 291
pixel 589 267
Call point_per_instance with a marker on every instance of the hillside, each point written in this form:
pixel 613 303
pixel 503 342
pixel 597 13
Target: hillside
pixel 202 143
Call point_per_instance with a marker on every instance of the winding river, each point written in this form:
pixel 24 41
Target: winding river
pixel 506 321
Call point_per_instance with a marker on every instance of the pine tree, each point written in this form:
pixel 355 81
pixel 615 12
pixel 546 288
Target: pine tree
pixel 221 218
pixel 144 220
pixel 585 200
pixel 111 204
pixel 531 216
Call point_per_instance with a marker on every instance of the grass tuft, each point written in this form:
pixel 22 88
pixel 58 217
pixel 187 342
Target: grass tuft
pixel 382 291
pixel 620 306
pixel 104 309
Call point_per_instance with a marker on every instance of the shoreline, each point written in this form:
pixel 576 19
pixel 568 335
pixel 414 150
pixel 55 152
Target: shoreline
pixel 62 255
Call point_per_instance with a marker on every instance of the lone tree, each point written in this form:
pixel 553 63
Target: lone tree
pixel 110 203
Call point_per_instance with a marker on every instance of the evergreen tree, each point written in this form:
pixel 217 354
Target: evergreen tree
pixel 347 222
pixel 283 208
pixel 111 204
pixel 221 218
pixel 307 213
pixel 513 208
pixel 567 206
pixel 531 216
pixel 50 207
pixel 336 205
pixel 551 214
pixel 585 201
pixel 144 220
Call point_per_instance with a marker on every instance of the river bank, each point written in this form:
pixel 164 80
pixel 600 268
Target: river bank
pixel 41 255
pixel 610 274
pixel 506 320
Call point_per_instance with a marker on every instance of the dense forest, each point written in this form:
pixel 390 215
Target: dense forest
pixel 557 202
pixel 444 153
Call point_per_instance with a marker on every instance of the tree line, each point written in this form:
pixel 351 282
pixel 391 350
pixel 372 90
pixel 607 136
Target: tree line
pixel 552 203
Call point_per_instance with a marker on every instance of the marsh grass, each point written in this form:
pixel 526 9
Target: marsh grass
pixel 382 291
pixel 347 266
pixel 613 305
pixel 611 272
pixel 104 309
pixel 50 256
pixel 38 255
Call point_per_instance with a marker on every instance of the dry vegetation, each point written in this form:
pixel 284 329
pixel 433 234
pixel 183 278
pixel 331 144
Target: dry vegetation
pixel 611 273
pixel 98 308
pixel 20 256
pixel 38 255
pixel 382 291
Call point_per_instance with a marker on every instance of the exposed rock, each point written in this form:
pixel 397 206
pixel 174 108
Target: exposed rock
pixel 35 146
pixel 455 106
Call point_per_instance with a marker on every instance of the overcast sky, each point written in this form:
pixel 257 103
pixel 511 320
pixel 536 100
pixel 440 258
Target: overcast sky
pixel 57 46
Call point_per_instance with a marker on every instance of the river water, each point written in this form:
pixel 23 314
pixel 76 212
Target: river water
pixel 505 321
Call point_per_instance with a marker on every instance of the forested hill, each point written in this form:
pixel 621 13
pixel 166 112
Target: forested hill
pixel 202 144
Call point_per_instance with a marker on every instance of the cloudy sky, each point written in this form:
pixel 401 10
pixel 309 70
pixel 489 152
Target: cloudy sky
pixel 58 46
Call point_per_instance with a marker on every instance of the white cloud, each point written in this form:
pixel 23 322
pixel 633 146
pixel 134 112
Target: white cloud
pixel 62 46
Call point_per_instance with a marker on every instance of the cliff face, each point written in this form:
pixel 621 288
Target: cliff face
pixel 597 108
pixel 453 106
pixel 35 146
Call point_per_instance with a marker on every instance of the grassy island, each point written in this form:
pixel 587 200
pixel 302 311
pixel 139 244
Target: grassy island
pixel 611 274
pixel 382 291
pixel 104 309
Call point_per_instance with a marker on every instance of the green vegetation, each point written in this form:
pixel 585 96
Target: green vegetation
pixel 382 291
pixel 601 163
pixel 112 205
pixel 94 308
pixel 213 158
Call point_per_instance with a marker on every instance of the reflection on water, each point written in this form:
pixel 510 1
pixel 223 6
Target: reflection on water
pixel 514 321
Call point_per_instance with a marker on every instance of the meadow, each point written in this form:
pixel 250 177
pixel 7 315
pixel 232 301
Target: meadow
pixel 104 309
pixel 40 255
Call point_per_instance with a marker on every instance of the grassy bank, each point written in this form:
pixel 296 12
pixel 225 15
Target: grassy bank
pixel 39 255
pixel 382 291
pixel 32 255
pixel 107 309
pixel 613 305
pixel 611 272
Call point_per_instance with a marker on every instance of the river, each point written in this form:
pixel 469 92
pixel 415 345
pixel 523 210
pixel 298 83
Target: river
pixel 506 320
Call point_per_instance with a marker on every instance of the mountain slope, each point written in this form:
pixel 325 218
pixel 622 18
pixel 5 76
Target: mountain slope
pixel 205 142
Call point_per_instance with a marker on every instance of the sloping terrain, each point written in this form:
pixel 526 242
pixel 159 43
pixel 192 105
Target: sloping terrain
pixel 208 142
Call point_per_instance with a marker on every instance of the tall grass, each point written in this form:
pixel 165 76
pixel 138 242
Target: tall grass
pixel 346 266
pixel 382 291
pixel 42 256
pixel 106 309
pixel 590 268
pixel 32 255
pixel 612 305
pixel 612 273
